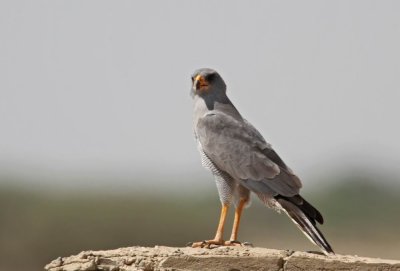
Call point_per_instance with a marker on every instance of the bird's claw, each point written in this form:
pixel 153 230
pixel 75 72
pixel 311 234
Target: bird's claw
pixel 207 244
pixel 217 243
pixel 233 243
pixel 238 243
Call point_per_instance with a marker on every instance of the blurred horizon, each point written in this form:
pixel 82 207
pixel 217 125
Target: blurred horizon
pixel 175 179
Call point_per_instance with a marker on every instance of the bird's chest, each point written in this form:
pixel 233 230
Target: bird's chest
pixel 199 110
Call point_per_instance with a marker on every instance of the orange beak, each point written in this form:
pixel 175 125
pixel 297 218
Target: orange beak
pixel 200 83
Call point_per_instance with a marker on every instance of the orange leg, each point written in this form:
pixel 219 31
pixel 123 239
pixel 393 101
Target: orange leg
pixel 236 221
pixel 218 239
pixel 220 230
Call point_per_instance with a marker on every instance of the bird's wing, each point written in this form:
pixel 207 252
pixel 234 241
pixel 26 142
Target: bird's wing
pixel 237 148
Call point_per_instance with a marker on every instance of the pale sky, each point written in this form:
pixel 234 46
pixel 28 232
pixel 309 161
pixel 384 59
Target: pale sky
pixel 102 87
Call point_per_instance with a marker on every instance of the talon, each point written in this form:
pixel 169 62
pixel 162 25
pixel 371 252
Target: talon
pixel 233 243
pixel 207 244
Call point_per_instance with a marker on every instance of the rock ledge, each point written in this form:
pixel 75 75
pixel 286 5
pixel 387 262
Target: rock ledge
pixel 217 259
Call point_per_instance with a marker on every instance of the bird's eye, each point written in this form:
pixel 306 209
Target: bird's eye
pixel 210 77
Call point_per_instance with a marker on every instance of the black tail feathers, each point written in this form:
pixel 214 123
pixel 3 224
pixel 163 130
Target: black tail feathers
pixel 305 216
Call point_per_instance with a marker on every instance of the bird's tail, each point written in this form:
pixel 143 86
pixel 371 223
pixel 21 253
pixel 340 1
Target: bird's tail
pixel 304 215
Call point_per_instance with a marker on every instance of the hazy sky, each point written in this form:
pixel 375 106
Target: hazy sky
pixel 103 86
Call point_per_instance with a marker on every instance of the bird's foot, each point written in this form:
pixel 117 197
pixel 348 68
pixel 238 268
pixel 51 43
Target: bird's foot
pixel 233 243
pixel 217 243
pixel 238 243
pixel 207 243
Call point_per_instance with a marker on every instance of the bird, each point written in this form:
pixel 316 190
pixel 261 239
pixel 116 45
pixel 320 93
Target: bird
pixel 243 162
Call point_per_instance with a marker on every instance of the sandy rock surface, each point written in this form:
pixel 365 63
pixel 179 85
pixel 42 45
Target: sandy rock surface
pixel 221 258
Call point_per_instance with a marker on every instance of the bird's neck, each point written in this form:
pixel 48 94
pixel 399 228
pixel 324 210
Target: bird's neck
pixel 205 104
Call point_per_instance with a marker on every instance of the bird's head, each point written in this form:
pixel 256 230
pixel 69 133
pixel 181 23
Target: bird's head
pixel 207 81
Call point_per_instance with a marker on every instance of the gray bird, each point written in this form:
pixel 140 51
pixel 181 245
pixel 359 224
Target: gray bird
pixel 242 162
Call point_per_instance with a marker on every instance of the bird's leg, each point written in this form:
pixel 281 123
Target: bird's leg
pixel 238 213
pixel 218 239
pixel 220 230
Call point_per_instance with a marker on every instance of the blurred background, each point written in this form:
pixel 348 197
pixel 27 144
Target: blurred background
pixel 96 142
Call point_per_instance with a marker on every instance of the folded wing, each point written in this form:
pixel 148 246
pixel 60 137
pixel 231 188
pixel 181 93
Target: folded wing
pixel 237 148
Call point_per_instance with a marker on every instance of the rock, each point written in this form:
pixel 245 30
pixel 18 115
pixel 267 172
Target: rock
pixel 162 258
